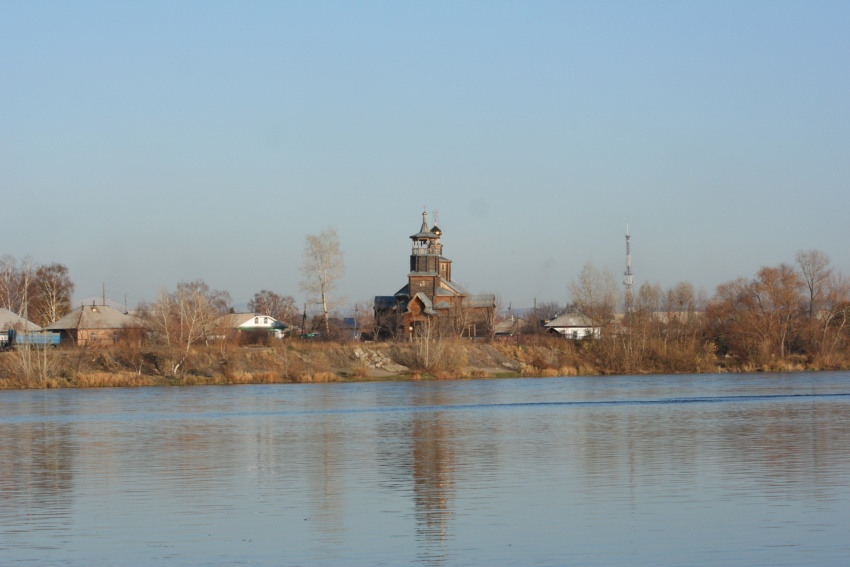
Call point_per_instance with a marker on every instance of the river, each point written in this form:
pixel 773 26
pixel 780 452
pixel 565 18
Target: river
pixel 725 469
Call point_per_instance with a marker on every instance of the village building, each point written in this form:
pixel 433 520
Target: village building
pixel 510 326
pixel 257 324
pixel 11 320
pixel 95 324
pixel 431 299
pixel 573 326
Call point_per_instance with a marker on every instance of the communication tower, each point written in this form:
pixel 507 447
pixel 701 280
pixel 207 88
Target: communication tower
pixel 629 279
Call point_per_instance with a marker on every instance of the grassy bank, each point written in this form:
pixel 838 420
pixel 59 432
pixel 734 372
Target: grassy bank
pixel 295 361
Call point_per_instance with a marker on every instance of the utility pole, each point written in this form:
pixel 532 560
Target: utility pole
pixel 629 280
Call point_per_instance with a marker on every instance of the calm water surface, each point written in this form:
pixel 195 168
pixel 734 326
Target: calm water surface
pixel 661 470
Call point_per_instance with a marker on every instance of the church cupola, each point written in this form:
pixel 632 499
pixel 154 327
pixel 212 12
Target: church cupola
pixel 426 251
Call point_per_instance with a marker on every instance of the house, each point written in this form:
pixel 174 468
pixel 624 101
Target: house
pixel 11 320
pixel 95 324
pixel 573 326
pixel 257 323
pixel 510 326
pixel 431 297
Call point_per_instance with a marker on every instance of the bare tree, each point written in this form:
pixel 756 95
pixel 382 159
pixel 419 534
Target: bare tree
pixel 16 284
pixel 757 318
pixel 323 267
pixel 814 265
pixel 52 289
pixel 595 294
pixel 183 318
pixel 281 307
pixel 776 293
pixel 548 310
pixel 461 317
pixel 493 317
pixel 364 319
pixel 11 294
pixel 38 293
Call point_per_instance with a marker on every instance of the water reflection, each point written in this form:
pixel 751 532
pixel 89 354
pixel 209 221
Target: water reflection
pixel 433 474
pixel 581 471
pixel 36 480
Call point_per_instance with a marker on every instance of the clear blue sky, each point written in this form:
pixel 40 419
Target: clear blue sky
pixel 146 143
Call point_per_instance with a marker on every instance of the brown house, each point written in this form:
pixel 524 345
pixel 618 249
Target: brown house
pixel 431 299
pixel 94 324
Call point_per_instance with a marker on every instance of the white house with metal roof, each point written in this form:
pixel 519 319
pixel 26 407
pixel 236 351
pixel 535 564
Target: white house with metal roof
pixel 253 322
pixel 573 326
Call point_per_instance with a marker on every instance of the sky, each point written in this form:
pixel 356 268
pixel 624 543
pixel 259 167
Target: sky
pixel 147 143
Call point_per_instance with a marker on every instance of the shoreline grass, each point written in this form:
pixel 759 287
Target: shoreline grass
pixel 294 362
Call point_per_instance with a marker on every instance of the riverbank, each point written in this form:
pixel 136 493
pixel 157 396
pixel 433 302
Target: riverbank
pixel 312 362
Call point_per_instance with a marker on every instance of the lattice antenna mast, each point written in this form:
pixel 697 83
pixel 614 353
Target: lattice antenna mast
pixel 629 279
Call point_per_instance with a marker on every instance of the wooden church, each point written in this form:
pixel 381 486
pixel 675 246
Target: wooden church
pixel 431 301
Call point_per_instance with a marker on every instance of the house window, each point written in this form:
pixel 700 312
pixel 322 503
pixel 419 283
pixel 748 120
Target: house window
pixel 256 320
pixel 265 320
pixel 93 336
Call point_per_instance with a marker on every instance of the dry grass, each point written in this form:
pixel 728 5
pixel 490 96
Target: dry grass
pixel 112 380
pixel 359 370
pixel 317 377
pixel 443 359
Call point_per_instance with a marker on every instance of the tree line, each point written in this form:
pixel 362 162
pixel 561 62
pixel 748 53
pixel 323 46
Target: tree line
pixel 38 293
pixel 783 315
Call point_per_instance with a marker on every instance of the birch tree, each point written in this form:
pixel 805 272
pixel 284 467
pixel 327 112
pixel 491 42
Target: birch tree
pixel 52 289
pixel 183 318
pixel 10 284
pixel 595 294
pixel 322 269
pixel 814 266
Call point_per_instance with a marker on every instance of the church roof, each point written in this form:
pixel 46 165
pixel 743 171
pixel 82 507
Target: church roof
pixel 481 300
pixel 403 292
pixel 385 301
pixel 429 307
pixel 426 233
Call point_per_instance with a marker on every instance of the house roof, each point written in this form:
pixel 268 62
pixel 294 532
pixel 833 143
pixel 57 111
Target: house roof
pixel 246 320
pixel 95 317
pixel 509 326
pixel 10 320
pixel 569 320
pixel 481 300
